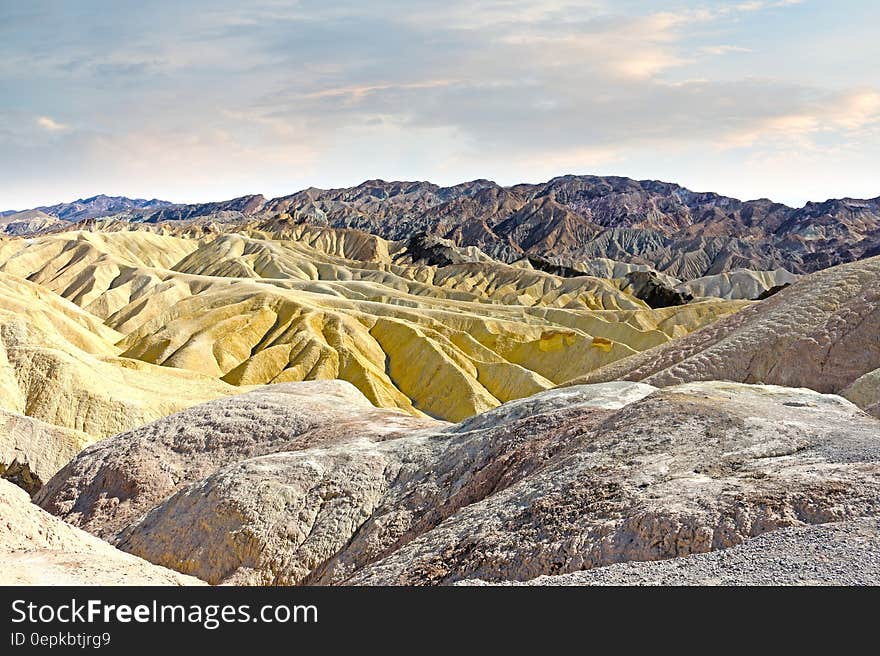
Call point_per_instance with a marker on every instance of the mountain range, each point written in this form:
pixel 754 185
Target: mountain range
pixel 95 206
pixel 569 222
pixel 400 383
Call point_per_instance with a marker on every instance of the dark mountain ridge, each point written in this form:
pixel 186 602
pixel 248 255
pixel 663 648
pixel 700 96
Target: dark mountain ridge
pixel 570 218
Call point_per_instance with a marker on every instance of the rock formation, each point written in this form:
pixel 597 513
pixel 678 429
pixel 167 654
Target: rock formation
pixel 821 332
pixel 739 283
pixel 32 451
pixel 142 467
pixel 316 303
pixel 552 382
pixel 565 480
pixel 59 365
pixel 38 549
pixel 865 392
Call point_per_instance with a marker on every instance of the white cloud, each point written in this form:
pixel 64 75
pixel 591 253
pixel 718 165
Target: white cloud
pixel 856 110
pixel 265 95
pixel 837 114
pixel 759 5
pixel 50 125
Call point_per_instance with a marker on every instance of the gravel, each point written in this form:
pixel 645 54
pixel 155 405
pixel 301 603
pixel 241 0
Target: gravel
pixel 843 553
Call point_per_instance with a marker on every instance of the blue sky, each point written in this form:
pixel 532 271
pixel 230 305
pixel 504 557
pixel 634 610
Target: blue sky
pixel 207 100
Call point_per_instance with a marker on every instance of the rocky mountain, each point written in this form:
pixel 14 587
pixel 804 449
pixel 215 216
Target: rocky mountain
pixel 668 227
pixel 101 205
pixel 42 219
pixel 229 210
pixel 28 222
pixel 569 220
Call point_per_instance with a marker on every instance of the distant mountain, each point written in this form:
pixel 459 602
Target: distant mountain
pixel 567 221
pixel 27 222
pixel 236 208
pixel 96 206
pixel 575 218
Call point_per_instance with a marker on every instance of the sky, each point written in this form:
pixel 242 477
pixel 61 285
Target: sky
pixel 203 100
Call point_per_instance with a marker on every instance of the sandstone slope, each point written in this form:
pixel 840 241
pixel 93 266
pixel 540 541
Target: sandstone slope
pixel 32 451
pixel 59 365
pixel 259 308
pixel 821 333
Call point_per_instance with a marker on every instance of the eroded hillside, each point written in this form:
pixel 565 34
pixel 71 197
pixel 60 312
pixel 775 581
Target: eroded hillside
pixel 822 332
pixel 222 310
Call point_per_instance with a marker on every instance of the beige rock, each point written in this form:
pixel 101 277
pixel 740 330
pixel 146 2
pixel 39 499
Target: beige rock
pixel 32 451
pixel 739 283
pixel 686 470
pixel 38 549
pixel 118 479
pixel 865 392
pixel 821 333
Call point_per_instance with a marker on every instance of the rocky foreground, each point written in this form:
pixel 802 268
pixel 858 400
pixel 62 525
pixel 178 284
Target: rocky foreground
pixel 338 492
pixel 840 553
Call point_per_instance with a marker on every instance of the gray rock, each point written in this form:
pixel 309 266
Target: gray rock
pixel 118 479
pixel 840 553
pixel 547 485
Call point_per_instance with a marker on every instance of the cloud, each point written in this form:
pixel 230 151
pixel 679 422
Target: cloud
pixel 261 96
pixel 759 5
pixel 856 110
pixel 837 114
pixel 50 125
pixel 356 93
